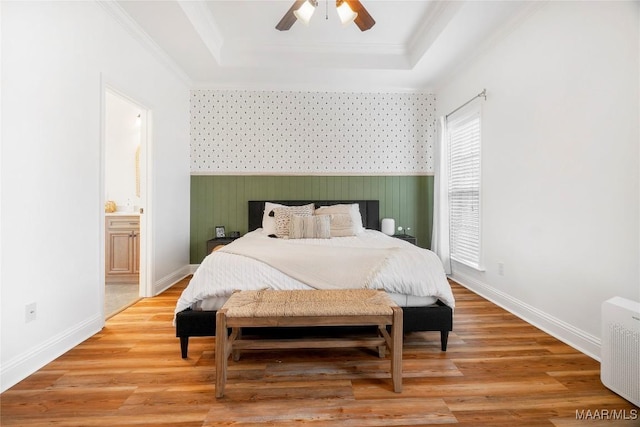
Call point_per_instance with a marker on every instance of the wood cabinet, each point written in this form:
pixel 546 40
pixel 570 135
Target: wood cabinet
pixel 122 249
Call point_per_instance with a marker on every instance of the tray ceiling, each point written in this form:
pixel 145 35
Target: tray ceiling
pixel 234 44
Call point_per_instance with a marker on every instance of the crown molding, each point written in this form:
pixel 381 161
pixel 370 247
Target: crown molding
pixel 310 88
pixel 318 56
pixel 439 14
pixel 131 26
pixel 205 25
pixel 340 48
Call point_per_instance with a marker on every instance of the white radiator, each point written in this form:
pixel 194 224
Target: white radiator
pixel 620 358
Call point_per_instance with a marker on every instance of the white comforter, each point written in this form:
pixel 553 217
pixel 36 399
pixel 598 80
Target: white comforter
pixel 410 270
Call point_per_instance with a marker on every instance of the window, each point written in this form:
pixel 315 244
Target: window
pixel 464 186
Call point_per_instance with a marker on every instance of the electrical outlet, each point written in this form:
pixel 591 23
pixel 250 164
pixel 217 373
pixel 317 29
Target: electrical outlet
pixel 30 312
pixel 501 268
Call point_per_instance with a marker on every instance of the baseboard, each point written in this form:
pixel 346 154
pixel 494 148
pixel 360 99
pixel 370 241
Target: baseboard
pixel 569 334
pixel 171 279
pixel 21 366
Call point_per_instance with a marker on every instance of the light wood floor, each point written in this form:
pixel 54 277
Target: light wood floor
pixel 498 371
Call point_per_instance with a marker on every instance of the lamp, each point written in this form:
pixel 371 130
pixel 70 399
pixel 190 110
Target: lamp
pixel 305 11
pixel 388 226
pixel 345 13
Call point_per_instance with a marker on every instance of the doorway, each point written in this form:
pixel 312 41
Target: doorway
pixel 125 148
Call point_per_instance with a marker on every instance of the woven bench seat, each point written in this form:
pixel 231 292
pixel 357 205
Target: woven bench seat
pixel 303 308
pixel 296 303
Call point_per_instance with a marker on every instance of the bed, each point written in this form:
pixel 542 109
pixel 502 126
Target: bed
pixel 412 276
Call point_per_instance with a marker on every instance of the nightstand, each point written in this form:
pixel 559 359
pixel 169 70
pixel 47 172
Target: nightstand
pixel 218 241
pixel 406 238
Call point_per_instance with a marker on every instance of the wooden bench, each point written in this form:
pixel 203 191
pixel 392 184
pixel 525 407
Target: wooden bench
pixel 305 308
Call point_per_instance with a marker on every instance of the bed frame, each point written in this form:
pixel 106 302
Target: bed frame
pixel 437 317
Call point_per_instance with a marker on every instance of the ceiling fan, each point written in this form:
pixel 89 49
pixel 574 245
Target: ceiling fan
pixel 348 10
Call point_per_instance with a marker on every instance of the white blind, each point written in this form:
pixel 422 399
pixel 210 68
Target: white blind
pixel 464 187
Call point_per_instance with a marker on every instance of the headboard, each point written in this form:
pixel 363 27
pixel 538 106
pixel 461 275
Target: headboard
pixel 369 209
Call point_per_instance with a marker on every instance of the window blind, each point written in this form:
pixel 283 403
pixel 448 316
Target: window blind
pixel 464 187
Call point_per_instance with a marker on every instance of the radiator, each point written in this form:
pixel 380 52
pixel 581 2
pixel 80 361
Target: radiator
pixel 620 358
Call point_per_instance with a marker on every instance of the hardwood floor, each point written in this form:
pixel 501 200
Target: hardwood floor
pixel 498 371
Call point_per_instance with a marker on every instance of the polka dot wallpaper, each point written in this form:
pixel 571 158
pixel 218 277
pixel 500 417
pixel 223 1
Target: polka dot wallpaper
pixel 246 132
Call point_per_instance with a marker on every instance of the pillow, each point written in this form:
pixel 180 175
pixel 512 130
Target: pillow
pixel 269 221
pixel 339 222
pixel 341 225
pixel 283 217
pixel 310 227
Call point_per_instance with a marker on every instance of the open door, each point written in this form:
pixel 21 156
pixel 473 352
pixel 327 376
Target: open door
pixel 125 166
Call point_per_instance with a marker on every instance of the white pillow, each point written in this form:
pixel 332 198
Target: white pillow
pixel 269 222
pixel 353 210
pixel 341 225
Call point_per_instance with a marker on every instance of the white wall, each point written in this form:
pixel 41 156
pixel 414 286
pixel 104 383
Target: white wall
pixel 56 59
pixel 560 165
pixel 122 139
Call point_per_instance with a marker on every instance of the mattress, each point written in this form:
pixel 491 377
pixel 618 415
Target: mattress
pixel 412 276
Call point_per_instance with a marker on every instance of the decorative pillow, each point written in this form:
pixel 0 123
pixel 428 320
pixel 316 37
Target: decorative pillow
pixel 283 217
pixel 269 221
pixel 310 227
pixel 339 225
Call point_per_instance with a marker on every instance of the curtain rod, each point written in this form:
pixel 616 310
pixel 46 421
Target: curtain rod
pixel 482 94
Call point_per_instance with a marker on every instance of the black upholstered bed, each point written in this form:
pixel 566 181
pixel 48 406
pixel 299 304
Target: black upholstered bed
pixel 437 317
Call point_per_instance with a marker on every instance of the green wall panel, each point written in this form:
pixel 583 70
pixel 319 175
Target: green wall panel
pixel 222 200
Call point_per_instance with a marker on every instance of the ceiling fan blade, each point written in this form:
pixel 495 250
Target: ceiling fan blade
pixel 289 18
pixel 364 21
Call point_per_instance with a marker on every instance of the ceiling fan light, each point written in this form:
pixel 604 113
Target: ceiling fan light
pixel 345 13
pixel 305 12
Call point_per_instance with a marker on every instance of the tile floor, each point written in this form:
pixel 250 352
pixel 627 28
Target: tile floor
pixel 119 296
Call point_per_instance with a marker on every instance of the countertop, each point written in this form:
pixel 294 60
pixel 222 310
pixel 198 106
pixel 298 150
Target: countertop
pixel 121 213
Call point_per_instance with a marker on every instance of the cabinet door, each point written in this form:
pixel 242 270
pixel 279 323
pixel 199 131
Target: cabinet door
pixel 122 249
pixel 119 255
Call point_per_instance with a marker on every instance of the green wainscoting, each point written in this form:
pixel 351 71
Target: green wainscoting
pixel 222 200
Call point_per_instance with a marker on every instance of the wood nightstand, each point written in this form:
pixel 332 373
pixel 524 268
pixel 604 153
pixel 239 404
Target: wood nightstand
pixel 407 238
pixel 218 241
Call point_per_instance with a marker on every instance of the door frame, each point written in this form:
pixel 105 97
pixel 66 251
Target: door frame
pixel 145 256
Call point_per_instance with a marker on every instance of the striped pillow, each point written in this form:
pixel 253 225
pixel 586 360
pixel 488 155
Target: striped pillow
pixel 310 227
pixel 283 217
pixel 342 225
